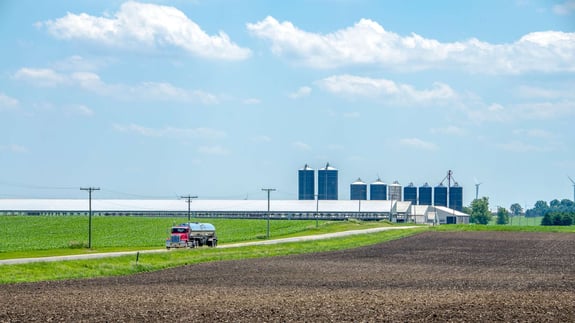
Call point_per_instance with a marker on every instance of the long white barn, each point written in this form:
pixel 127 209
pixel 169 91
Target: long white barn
pixel 397 211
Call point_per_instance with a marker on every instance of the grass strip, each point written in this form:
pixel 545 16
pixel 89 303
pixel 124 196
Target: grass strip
pixel 126 265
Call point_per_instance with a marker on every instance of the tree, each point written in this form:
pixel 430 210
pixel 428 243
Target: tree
pixel 566 219
pixel 547 219
pixel 567 203
pixel 541 209
pixel 502 215
pixel 480 213
pixel 516 209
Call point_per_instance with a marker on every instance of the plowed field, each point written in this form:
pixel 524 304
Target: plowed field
pixel 434 276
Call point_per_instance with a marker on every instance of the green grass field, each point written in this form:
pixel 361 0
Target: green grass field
pixel 34 236
pixel 126 265
pixel 22 236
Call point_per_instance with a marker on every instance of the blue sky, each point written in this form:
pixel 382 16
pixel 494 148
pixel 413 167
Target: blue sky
pixel 219 99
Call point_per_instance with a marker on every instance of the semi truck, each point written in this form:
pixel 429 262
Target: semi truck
pixel 191 235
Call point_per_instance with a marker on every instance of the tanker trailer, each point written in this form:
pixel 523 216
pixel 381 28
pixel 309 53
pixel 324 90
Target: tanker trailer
pixel 191 235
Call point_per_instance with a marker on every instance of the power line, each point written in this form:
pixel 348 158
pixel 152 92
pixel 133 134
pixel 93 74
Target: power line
pixel 189 201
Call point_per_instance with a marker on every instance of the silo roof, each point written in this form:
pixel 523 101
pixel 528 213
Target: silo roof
pixel 358 182
pixel 378 182
pixel 328 167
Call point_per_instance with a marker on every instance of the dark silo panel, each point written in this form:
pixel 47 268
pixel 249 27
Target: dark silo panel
pixel 306 183
pixel 327 183
pixel 456 197
pixel 410 193
pixel 440 195
pixel 358 190
pixel 378 190
pixel 425 195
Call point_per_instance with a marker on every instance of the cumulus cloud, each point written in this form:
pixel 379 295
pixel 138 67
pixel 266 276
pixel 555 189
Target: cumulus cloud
pixel 80 110
pixel 7 102
pixel 206 133
pixel 300 93
pixel 367 42
pixel 351 85
pixel 92 82
pixel 566 8
pixel 517 146
pixel 40 76
pixel 138 25
pixel 418 143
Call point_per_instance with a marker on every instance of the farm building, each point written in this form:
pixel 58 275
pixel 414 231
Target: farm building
pixel 369 210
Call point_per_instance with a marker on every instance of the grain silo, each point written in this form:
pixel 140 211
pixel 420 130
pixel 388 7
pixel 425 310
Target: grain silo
pixel 394 191
pixel 440 195
pixel 327 183
pixel 306 183
pixel 378 190
pixel 456 197
pixel 410 193
pixel 425 195
pixel 358 190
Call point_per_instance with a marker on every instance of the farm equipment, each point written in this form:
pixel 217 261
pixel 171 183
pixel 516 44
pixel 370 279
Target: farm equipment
pixel 191 235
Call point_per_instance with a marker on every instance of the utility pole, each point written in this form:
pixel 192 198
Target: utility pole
pixel 189 201
pixel 316 210
pixel 268 190
pixel 90 190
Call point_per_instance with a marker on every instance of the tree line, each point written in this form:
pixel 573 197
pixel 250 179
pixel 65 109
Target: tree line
pixel 555 213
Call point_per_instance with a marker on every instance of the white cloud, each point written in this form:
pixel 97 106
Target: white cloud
pixel 7 102
pixel 90 81
pixel 566 8
pixel 138 25
pixel 533 133
pixel 79 63
pixel 80 110
pixel 213 150
pixel 449 130
pixel 300 93
pixel 418 143
pixel 207 133
pixel 517 146
pixel 350 85
pixel 40 76
pixel 301 146
pixel 367 42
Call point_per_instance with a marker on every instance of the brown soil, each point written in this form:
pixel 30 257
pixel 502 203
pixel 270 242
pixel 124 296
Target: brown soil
pixel 464 276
